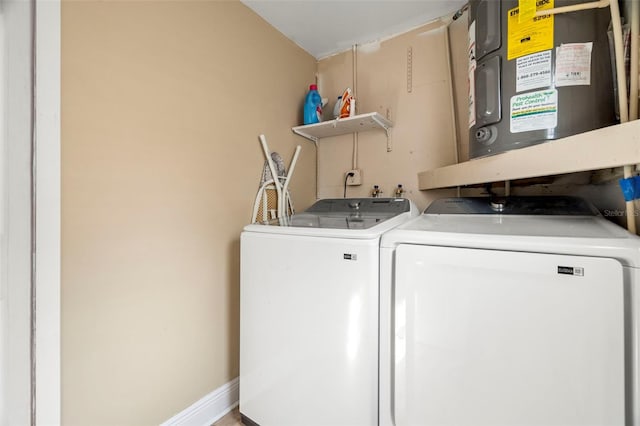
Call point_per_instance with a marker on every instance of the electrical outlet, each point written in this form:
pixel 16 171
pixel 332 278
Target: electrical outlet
pixel 356 179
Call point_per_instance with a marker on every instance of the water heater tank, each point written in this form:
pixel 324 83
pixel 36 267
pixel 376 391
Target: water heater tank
pixel 536 79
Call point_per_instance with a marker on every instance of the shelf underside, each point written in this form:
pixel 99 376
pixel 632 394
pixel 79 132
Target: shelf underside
pixel 613 146
pixel 343 126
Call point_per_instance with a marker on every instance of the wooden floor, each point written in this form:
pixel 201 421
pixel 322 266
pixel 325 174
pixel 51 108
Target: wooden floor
pixel 231 419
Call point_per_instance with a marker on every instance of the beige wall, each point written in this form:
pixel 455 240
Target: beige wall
pixel 423 136
pixel 423 132
pixel 162 104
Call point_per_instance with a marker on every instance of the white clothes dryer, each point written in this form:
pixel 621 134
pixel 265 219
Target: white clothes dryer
pixel 309 289
pixel 519 312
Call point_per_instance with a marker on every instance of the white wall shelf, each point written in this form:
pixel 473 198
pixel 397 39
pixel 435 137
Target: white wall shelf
pixel 613 146
pixel 344 126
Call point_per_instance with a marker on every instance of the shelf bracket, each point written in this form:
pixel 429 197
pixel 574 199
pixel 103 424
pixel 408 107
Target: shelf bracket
pixel 387 130
pixel 342 126
pixel 306 136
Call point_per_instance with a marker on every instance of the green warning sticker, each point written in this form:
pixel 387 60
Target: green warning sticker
pixel 534 111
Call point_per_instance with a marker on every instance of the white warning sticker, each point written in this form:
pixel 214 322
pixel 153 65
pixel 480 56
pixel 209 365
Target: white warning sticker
pixel 472 74
pixel 534 111
pixel 573 64
pixel 472 95
pixel 533 71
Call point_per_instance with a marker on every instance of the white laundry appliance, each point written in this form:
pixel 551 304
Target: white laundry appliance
pixel 309 288
pixel 519 312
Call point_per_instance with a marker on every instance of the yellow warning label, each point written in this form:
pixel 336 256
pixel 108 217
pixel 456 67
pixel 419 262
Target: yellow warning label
pixel 529 36
pixel 527 10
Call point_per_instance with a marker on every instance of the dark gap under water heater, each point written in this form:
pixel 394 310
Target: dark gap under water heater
pixel 536 80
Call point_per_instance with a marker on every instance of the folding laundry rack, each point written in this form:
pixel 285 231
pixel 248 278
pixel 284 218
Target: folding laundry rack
pixel 273 200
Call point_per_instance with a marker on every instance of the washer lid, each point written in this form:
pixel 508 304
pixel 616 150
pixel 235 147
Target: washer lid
pixel 333 220
pixel 343 217
pixel 382 207
pixel 346 213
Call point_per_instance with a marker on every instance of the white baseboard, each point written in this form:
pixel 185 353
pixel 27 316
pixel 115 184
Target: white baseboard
pixel 210 408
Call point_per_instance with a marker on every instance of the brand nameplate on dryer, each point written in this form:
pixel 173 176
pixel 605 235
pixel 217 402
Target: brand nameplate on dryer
pixel 571 270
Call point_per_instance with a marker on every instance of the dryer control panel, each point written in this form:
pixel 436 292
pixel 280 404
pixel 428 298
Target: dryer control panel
pixel 548 206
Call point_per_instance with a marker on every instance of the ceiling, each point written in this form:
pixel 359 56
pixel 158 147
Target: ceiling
pixel 325 27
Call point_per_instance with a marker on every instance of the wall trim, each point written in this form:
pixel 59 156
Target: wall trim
pixel 47 213
pixel 210 408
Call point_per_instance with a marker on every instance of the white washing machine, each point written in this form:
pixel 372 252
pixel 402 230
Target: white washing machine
pixel 309 290
pixel 515 313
